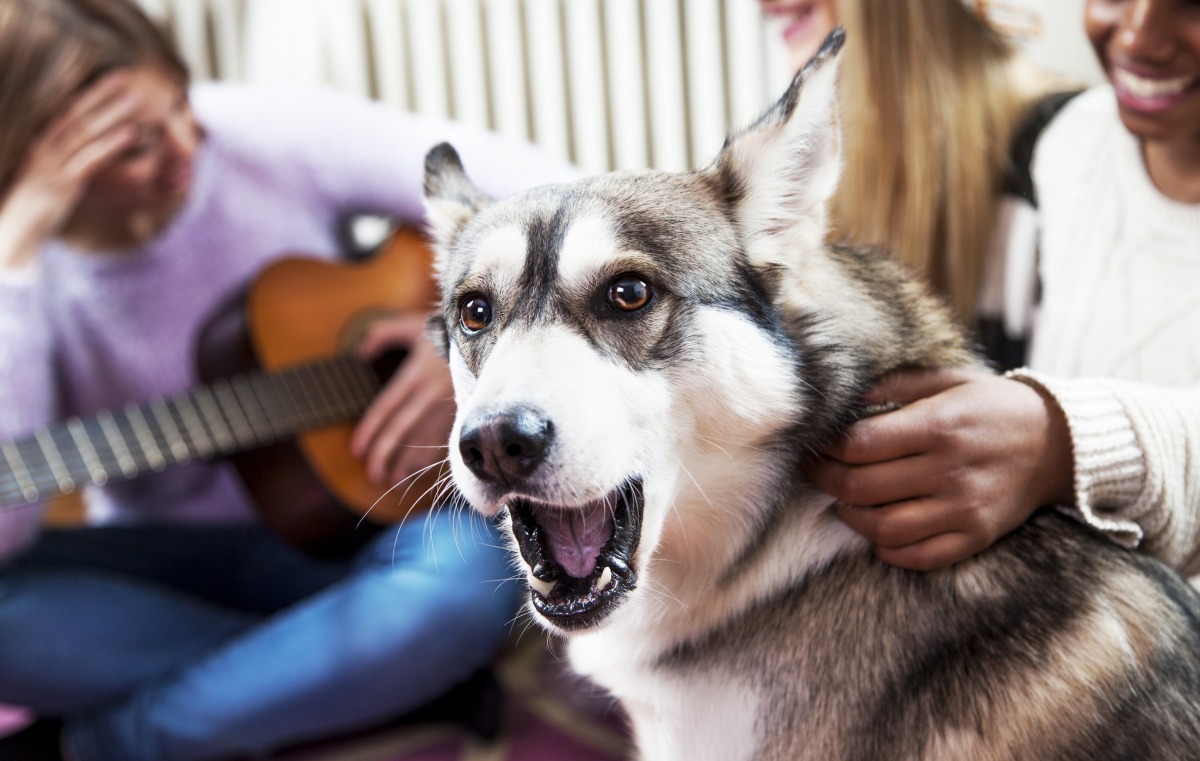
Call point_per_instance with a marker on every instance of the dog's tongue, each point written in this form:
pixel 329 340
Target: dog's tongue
pixel 575 536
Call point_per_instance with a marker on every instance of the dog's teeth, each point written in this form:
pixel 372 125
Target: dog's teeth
pixel 544 588
pixel 604 580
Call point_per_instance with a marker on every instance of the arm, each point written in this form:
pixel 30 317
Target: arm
pixel 56 170
pixel 970 456
pixel 1137 462
pixel 25 394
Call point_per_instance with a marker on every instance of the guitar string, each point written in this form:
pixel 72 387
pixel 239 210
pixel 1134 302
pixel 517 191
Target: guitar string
pixel 310 415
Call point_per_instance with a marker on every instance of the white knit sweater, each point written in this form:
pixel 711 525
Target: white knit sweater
pixel 1116 340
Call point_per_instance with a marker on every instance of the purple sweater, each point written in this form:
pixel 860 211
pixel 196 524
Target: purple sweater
pixel 84 332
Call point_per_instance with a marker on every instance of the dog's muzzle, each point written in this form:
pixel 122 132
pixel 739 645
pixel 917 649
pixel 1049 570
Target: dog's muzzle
pixel 580 556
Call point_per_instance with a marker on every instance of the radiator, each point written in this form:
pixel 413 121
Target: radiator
pixel 607 84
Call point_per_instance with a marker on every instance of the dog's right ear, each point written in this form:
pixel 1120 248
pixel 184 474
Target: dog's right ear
pixel 451 199
pixel 779 173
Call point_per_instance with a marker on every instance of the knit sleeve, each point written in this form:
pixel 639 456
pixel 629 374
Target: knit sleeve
pixel 26 400
pixel 1137 462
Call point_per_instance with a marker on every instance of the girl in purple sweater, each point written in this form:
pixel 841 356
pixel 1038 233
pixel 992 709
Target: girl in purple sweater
pixel 176 626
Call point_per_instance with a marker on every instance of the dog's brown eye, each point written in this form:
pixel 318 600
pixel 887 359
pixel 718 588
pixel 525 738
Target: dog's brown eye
pixel 475 314
pixel 629 293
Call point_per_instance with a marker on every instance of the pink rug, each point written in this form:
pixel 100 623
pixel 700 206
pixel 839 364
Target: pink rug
pixel 12 719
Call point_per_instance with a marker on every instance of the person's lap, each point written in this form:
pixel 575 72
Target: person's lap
pixel 227 632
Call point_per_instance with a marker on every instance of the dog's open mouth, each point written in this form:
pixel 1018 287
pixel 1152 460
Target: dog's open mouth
pixel 582 556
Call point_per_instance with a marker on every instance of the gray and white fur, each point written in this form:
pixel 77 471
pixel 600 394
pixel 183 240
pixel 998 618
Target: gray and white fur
pixel 640 360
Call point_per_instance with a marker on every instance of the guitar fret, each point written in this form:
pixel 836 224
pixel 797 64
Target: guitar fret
pixel 191 416
pixel 91 458
pixel 105 456
pixel 232 414
pixel 334 403
pixel 301 404
pixel 366 380
pixel 342 376
pixel 145 437
pixel 16 463
pixel 362 377
pixel 272 393
pixel 243 391
pixel 210 413
pixel 239 424
pixel 58 468
pixel 116 442
pixel 323 409
pixel 170 430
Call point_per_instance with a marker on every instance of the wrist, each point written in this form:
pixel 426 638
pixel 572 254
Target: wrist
pixel 25 226
pixel 1055 479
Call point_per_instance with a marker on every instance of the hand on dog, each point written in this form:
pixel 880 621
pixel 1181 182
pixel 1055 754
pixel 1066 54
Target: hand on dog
pixel 407 426
pixel 968 458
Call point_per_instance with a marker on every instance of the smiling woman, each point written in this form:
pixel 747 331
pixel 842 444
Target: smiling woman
pixel 1150 51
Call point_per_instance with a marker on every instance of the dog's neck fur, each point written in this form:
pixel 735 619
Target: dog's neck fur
pixel 697 577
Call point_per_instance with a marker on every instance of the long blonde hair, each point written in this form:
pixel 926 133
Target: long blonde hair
pixel 932 97
pixel 51 49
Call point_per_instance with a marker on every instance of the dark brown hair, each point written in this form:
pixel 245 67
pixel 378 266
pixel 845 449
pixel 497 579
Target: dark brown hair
pixel 52 49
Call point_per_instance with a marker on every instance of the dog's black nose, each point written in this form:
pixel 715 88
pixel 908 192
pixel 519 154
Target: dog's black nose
pixel 505 446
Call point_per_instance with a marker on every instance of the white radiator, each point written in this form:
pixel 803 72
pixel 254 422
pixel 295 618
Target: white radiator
pixel 608 84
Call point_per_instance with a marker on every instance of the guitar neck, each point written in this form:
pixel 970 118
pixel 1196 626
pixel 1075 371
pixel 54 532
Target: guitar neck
pixel 232 415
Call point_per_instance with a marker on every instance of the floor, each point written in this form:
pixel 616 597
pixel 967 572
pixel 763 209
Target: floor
pixel 547 715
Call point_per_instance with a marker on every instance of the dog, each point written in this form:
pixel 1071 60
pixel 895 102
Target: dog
pixel 640 359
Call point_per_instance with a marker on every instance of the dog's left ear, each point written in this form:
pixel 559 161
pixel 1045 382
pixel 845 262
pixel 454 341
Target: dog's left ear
pixel 781 171
pixel 451 199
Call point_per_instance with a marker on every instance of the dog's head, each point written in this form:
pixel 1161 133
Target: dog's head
pixel 615 347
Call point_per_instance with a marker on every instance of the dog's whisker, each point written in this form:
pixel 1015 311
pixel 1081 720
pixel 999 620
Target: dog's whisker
pixel 717 442
pixel 699 488
pixel 409 478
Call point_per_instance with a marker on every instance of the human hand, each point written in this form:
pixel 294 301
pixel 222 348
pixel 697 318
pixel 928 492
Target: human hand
pixel 93 129
pixel 407 427
pixel 967 459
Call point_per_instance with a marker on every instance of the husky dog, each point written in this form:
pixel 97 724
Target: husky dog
pixel 640 359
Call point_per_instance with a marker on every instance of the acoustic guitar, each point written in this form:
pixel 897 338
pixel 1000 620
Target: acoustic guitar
pixel 281 393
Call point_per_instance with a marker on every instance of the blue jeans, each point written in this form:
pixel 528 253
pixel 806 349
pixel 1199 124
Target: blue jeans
pixel 173 643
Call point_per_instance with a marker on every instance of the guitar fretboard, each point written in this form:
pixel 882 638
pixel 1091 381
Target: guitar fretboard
pixel 232 415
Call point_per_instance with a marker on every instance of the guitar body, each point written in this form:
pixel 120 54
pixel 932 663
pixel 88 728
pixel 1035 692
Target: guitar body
pixel 311 490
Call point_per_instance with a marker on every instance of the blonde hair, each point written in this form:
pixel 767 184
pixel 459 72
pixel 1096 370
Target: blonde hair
pixel 932 97
pixel 52 49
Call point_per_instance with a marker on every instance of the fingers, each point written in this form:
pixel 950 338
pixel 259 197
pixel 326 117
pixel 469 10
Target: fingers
pixel 878 483
pixel 407 426
pixel 890 436
pixel 919 535
pixel 401 386
pixel 398 330
pixel 900 524
pixel 406 437
pixel 907 386
pixel 102 108
pixel 939 552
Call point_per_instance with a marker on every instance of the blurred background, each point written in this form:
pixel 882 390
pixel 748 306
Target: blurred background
pixel 607 84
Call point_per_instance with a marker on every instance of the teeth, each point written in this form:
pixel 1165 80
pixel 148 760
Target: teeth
pixel 1151 88
pixel 544 588
pixel 604 580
